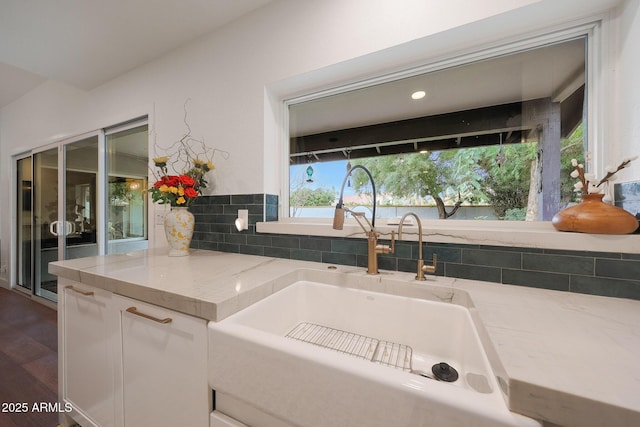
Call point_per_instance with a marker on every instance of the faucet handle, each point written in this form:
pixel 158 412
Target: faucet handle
pixel 431 268
pixel 386 249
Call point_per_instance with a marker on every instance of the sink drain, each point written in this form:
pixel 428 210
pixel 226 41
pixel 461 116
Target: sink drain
pixel 444 372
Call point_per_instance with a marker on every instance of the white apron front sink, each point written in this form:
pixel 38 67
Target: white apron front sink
pixel 315 354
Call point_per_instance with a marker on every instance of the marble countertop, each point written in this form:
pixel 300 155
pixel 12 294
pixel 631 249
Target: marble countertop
pixel 571 359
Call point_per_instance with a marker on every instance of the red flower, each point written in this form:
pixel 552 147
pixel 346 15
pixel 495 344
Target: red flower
pixel 171 180
pixel 186 180
pixel 190 192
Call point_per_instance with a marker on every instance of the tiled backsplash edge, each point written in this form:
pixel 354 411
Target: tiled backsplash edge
pixel 597 273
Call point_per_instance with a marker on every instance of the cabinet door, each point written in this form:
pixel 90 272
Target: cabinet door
pixel 87 378
pixel 164 365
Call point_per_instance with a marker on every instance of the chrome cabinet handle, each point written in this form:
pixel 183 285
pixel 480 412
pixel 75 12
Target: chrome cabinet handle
pixel 78 291
pixel 135 311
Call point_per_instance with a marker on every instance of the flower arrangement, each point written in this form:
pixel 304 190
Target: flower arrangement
pixel 190 160
pixel 586 180
pixel 180 190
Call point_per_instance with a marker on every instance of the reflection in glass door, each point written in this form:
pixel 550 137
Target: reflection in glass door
pixel 45 221
pixel 127 169
pixel 24 223
pixel 80 196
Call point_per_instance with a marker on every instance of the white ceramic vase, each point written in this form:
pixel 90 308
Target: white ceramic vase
pixel 178 227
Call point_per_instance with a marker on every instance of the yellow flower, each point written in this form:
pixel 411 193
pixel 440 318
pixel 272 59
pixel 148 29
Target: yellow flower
pixel 164 188
pixel 201 164
pixel 160 161
pixel 174 190
pixel 180 201
pixel 180 191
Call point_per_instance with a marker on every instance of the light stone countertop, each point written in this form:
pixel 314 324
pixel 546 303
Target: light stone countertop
pixel 570 359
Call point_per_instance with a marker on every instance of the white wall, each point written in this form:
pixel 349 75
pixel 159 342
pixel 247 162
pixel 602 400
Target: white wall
pixel 625 120
pixel 236 76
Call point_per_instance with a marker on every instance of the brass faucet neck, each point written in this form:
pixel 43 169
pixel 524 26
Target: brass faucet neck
pixel 419 230
pixel 421 267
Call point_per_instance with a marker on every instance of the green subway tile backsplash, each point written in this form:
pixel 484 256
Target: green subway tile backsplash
pixel 619 269
pixel 605 287
pixel 474 272
pixel 350 246
pixel 589 272
pixel 316 243
pixel 536 279
pixel 306 255
pixel 556 263
pixel 492 258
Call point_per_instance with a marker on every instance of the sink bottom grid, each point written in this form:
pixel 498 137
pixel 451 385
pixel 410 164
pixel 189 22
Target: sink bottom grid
pixel 383 352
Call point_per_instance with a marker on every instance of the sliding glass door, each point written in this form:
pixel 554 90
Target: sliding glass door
pixel 56 211
pixel 81 197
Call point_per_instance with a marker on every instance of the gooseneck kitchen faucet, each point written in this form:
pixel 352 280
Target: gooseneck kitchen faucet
pixel 373 248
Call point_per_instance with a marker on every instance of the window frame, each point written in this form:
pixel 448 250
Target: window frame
pixel 595 55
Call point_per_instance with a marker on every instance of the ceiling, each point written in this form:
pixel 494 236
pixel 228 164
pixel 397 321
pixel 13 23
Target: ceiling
pixel 554 71
pixel 495 100
pixel 85 43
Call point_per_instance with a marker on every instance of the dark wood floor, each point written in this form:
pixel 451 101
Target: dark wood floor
pixel 28 361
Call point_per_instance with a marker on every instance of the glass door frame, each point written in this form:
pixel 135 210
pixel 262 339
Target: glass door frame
pixel 15 270
pixel 16 232
pixel 101 179
pixel 36 242
pixel 100 194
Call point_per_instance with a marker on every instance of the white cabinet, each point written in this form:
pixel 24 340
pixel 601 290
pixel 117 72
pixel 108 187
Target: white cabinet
pixel 124 362
pixel 164 365
pixel 86 353
pixel 218 419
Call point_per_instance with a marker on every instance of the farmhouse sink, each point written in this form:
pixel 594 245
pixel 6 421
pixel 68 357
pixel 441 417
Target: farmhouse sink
pixel 316 354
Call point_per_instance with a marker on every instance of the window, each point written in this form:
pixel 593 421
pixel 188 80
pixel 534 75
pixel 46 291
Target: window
pixel 127 188
pixel 487 139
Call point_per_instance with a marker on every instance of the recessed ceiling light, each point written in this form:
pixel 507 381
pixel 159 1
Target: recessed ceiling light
pixel 418 95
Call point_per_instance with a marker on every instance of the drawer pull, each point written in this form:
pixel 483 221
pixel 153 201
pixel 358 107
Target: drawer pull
pixel 78 291
pixel 135 311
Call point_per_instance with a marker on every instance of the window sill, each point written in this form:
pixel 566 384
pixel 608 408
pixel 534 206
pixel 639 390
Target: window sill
pixel 540 235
